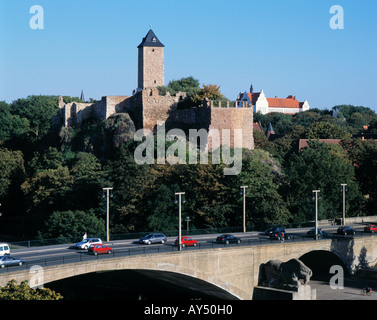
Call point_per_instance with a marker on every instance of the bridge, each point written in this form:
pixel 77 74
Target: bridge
pixel 227 272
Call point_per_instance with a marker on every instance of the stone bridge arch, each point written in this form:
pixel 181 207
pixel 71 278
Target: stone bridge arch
pixel 233 269
pixel 321 261
pixel 138 284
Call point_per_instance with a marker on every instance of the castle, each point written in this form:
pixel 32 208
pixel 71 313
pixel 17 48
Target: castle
pixel 148 109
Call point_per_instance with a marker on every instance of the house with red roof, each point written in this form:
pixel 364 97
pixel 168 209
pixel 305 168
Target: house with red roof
pixel 264 105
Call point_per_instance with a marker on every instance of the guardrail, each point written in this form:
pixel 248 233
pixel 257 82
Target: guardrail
pixel 152 249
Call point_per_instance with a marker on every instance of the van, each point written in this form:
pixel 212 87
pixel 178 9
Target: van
pixel 4 249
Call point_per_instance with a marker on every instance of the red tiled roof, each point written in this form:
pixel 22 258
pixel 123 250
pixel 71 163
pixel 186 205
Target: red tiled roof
pixel 289 102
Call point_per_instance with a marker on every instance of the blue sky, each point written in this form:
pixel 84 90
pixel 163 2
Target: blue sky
pixel 283 47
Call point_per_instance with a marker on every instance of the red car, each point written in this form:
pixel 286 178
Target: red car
pixel 187 241
pixel 99 248
pixel 370 228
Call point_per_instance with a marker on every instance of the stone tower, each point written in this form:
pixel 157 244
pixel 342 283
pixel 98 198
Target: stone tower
pixel 151 62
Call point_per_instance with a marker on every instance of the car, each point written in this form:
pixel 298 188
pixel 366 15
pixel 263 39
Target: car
pixel 99 248
pixel 7 261
pixel 345 230
pixel 154 238
pixel 228 238
pixel 320 233
pixel 85 244
pixel 272 230
pixel 276 235
pixel 4 249
pixel 187 241
pixel 370 228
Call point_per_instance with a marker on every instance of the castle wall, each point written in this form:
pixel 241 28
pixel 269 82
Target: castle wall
pixel 232 119
pixel 156 108
pixel 108 106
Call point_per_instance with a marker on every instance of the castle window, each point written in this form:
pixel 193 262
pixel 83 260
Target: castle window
pixel 152 50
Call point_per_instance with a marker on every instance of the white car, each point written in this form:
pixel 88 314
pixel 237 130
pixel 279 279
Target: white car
pixel 84 244
pixel 4 249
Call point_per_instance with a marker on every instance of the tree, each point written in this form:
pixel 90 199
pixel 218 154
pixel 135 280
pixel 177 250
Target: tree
pixel 264 177
pixel 12 169
pixel 12 291
pixel 38 110
pixel 320 167
pixel 73 224
pixel 282 123
pixel 189 85
pixel 11 125
pixel 44 160
pixel 326 130
pixel 366 170
pixel 210 92
pixel 46 190
pixel 88 180
pixel 131 183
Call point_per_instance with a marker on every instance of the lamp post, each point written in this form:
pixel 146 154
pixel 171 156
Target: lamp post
pixel 188 220
pixel 344 189
pixel 243 192
pixel 179 201
pixel 108 194
pixel 316 196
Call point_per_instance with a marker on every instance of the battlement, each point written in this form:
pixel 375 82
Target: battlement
pixel 226 104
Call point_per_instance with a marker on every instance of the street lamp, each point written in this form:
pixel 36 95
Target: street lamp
pixel 344 189
pixel 181 198
pixel 188 220
pixel 108 194
pixel 316 196
pixel 243 192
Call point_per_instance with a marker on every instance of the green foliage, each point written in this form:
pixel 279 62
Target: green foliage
pixel 12 291
pixel 11 169
pixel 11 125
pixel 47 188
pixel 73 223
pixel 38 110
pixel 189 85
pixel 326 130
pixel 319 167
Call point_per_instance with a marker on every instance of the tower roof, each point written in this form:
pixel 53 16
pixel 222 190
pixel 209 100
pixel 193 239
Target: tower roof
pixel 150 40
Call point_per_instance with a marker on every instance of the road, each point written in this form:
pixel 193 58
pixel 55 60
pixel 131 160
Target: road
pixel 65 253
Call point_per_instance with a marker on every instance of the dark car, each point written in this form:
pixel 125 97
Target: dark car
pixel 345 230
pixel 7 261
pixel 154 238
pixel 277 235
pixel 320 233
pixel 273 230
pixel 370 228
pixel 228 238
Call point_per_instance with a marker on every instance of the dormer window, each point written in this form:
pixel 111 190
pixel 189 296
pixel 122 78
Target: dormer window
pixel 154 39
